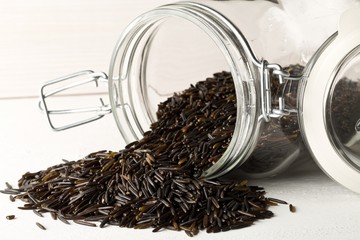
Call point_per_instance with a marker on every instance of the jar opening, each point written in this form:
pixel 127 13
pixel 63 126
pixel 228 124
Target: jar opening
pixel 179 54
pixel 164 51
pixel 343 108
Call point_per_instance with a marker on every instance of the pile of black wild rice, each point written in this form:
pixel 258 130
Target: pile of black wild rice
pixel 156 181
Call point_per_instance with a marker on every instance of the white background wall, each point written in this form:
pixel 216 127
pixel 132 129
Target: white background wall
pixel 44 39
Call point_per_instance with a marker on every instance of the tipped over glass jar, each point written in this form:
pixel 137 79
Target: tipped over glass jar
pixel 296 74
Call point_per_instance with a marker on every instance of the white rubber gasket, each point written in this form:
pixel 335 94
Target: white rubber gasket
pixel 314 102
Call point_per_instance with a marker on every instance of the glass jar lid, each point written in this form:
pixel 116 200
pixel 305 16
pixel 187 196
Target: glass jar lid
pixel 330 103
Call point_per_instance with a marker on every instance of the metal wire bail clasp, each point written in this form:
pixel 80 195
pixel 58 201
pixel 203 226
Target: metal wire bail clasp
pixel 84 77
pixel 268 108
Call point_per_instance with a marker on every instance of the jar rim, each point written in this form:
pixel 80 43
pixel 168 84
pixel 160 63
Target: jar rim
pixel 242 62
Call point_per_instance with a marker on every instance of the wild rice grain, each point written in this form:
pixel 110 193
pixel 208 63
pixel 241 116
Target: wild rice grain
pixel 37 213
pixel 8 185
pixel 274 200
pixel 89 224
pixel 40 226
pixel 61 218
pixel 292 208
pixel 10 217
pixel 53 215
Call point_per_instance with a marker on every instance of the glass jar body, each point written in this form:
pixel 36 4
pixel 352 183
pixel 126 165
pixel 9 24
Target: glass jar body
pixel 171 47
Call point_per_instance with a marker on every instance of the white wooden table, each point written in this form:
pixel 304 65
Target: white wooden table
pixel 44 39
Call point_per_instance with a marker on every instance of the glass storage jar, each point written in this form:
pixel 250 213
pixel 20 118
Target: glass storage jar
pixel 281 106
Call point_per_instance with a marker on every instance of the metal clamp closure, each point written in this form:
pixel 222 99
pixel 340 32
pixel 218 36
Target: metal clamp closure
pixel 269 72
pixel 85 77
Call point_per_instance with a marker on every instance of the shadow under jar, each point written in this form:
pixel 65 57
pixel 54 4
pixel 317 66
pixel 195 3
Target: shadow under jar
pixel 300 96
